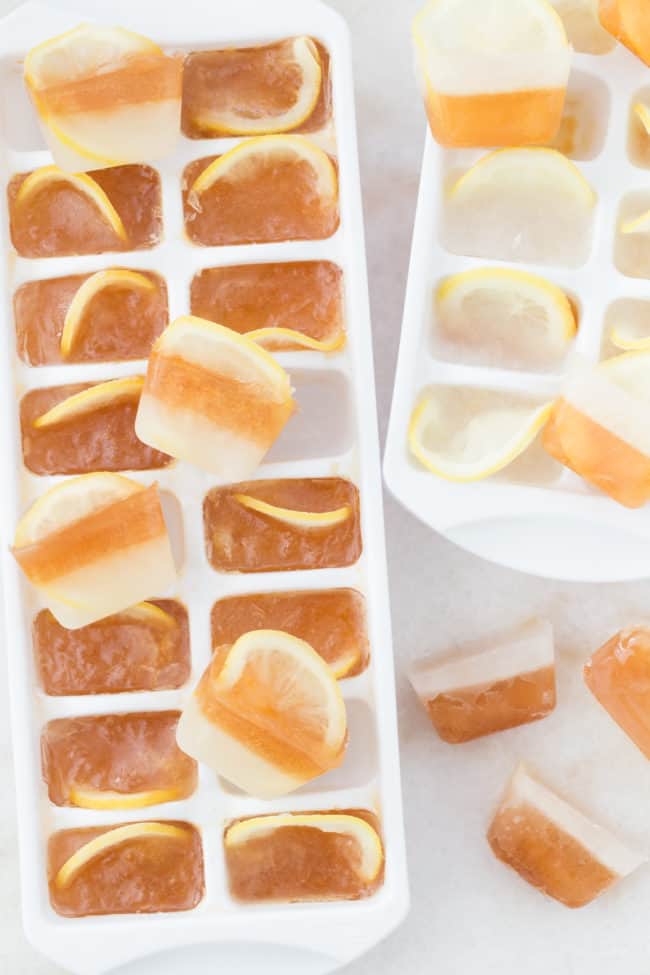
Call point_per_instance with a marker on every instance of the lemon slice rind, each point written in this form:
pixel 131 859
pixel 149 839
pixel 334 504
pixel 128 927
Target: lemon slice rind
pixel 111 278
pixel 297 145
pixel 96 799
pixel 150 613
pixel 293 517
pixel 277 336
pixel 642 112
pixel 462 472
pixel 113 837
pixel 367 838
pixel 88 400
pixel 626 341
pixel 637 225
pixel 306 56
pixel 82 182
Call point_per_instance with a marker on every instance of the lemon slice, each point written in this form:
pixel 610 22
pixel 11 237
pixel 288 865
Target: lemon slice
pixel 628 339
pixel 637 225
pixel 490 441
pixel 539 169
pixel 70 501
pixel 304 55
pixel 360 832
pixel 642 112
pixel 271 147
pixel 88 400
pixel 48 176
pixel 96 799
pixel 151 614
pixel 303 683
pixel 297 519
pixel 277 338
pixel 92 286
pixel 110 839
pixel 517 313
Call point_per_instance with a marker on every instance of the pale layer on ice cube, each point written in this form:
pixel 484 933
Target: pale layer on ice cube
pixel 213 398
pixel 555 847
pixel 492 74
pixel 95 545
pixel 497 683
pixel 598 427
pixel 618 675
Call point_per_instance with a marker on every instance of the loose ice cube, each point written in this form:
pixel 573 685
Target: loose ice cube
pixel 598 427
pixel 555 847
pixel 510 681
pixel 618 675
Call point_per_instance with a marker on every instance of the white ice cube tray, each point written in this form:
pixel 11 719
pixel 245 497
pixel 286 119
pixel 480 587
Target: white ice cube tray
pixel 310 937
pixel 560 527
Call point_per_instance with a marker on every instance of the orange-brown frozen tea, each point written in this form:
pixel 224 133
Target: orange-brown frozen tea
pixel 332 621
pixel 85 427
pixel 53 213
pixel 271 188
pixel 618 675
pixel 267 715
pixel 136 868
pixel 304 297
pixel 145 648
pixel 116 761
pixel 555 847
pixel 103 317
pixel 629 22
pixel 498 683
pixel 305 856
pixel 276 526
pixel 281 87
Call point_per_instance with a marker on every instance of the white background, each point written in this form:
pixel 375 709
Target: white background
pixel 469 914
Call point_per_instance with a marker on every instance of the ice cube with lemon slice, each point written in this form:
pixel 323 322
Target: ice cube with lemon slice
pixel 105 96
pixel 493 74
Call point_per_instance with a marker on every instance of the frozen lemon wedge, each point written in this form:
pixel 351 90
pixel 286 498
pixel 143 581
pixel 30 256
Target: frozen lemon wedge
pixel 353 828
pixel 88 400
pixel 48 176
pixel 490 441
pixel 510 312
pixel 268 148
pixel 69 501
pixel 278 338
pixel 297 519
pixel 110 839
pixel 92 286
pixel 304 57
pixel 96 799
pixel 151 614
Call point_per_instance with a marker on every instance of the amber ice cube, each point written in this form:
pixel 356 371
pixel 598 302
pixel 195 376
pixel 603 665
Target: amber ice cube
pixel 100 439
pixel 618 675
pixel 242 539
pixel 490 685
pixel 119 323
pixel 255 82
pixel 304 296
pixel 141 875
pixel 116 761
pixel 332 621
pixel 304 857
pixel 60 220
pixel 553 846
pixel 116 654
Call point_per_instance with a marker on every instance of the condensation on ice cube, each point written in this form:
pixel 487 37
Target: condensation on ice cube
pixel 460 410
pixel 584 120
pixel 638 139
pixel 583 27
pixel 632 250
pixel 321 425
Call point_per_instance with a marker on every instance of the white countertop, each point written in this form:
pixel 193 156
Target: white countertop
pixel 438 594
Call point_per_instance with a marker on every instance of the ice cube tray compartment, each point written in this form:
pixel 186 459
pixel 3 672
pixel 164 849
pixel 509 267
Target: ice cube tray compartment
pixel 497 518
pixel 346 447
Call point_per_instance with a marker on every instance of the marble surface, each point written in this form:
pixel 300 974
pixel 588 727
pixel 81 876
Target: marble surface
pixel 468 913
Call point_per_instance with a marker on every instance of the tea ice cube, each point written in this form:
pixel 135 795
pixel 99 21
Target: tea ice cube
pixel 504 681
pixel 553 846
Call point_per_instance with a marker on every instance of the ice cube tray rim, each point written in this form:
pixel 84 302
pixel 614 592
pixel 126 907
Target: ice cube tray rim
pixel 358 925
pixel 491 518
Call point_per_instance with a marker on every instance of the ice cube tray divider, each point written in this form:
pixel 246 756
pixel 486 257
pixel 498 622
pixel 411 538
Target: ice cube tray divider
pixel 335 932
pixel 559 530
